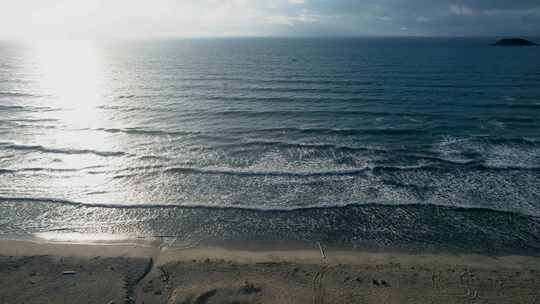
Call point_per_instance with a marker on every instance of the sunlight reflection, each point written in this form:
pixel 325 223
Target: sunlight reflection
pixel 90 238
pixel 71 75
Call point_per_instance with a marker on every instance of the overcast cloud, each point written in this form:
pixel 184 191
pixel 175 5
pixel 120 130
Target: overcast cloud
pixel 166 18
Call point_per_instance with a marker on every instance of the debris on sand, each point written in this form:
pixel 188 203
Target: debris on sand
pixel 69 272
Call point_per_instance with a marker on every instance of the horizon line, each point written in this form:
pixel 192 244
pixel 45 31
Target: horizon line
pixel 263 37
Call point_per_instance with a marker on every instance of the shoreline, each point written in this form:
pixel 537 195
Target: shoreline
pixel 251 253
pixel 144 272
pixel 409 228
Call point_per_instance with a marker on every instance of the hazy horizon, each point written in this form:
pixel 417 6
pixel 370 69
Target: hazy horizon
pixel 314 37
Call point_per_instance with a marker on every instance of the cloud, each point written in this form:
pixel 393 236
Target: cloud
pixel 462 10
pixel 292 20
pixel 187 18
pixel 436 18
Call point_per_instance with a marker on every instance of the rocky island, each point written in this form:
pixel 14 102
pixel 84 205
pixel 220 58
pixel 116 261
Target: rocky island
pixel 514 42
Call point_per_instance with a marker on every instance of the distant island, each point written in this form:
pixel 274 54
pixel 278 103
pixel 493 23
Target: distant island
pixel 514 42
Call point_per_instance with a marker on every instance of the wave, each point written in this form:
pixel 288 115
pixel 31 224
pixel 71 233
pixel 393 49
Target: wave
pixel 525 106
pixel 25 108
pixel 252 173
pixel 534 106
pixel 261 209
pixel 8 107
pixel 516 167
pixel 491 152
pixel 284 144
pixel 39 148
pixel 370 169
pixel 517 119
pixel 126 96
pixel 145 132
pixel 378 150
pixel 251 113
pixel 39 169
pixel 299 130
pixel 511 141
pixel 17 94
pixel 238 172
pixel 307 131
pixel 32 120
pixel 283 99
pixel 283 173
pixel 7 171
pixel 478 141
pixel 434 164
pixel 145 169
pixel 294 90
pixel 13 125
pixel 344 172
pixel 130 108
pixel 273 87
pixel 293 81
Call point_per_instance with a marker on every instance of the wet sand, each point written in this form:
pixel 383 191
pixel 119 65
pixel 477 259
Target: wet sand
pixel 70 273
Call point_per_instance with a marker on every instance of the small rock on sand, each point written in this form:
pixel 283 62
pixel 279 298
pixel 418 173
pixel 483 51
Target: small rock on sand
pixel 69 272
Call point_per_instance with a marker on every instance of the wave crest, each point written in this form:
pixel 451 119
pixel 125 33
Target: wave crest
pixel 43 149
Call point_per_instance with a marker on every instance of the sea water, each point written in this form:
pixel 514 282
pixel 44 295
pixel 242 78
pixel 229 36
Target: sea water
pixel 368 142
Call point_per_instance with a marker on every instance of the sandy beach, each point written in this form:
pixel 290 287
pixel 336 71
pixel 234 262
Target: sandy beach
pixel 135 273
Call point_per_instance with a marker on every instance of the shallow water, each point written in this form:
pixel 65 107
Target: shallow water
pixel 360 142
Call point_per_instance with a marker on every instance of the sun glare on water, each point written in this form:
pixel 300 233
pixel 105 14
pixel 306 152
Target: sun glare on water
pixel 71 81
pixel 71 77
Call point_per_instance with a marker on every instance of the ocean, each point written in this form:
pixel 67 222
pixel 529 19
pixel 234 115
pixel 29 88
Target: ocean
pixel 402 143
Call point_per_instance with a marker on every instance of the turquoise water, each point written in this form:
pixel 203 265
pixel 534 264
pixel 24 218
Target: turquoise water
pixel 412 143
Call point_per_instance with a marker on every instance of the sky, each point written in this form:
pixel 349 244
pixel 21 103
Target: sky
pixel 95 19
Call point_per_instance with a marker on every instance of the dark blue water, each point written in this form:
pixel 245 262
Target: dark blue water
pixel 410 143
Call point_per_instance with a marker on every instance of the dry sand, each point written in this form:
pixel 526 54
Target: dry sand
pixel 35 273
